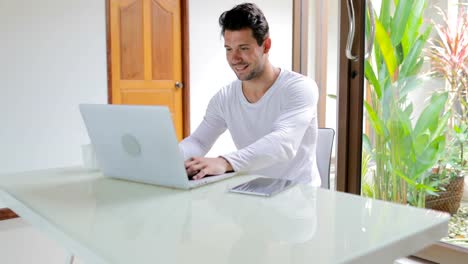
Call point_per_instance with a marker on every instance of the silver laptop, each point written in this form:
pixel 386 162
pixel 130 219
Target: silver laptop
pixel 138 143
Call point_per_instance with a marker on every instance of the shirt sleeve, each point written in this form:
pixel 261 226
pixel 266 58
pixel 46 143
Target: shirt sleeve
pixel 206 134
pixel 281 144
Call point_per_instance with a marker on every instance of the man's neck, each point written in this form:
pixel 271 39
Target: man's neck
pixel 254 89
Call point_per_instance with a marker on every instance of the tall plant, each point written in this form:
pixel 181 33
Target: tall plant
pixel 402 146
pixel 448 54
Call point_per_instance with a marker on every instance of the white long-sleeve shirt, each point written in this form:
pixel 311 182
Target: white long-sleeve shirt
pixel 275 136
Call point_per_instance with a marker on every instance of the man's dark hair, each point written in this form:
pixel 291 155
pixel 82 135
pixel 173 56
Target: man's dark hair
pixel 243 16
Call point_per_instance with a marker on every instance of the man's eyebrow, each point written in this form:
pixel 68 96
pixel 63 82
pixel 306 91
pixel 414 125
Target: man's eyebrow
pixel 241 45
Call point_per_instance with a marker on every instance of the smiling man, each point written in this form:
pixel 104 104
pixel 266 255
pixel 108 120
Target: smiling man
pixel 271 113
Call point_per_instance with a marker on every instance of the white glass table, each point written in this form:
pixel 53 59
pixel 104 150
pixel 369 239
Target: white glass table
pixel 102 220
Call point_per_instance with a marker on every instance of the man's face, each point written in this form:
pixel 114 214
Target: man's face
pixel 244 55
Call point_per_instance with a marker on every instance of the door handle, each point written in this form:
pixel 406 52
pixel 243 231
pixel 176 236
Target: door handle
pixel 179 85
pixel 352 27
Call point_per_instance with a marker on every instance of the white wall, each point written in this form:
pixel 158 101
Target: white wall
pixel 209 70
pixel 52 57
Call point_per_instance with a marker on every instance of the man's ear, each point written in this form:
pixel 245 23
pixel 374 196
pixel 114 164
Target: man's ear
pixel 267 45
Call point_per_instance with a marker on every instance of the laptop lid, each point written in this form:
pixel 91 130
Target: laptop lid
pixel 136 143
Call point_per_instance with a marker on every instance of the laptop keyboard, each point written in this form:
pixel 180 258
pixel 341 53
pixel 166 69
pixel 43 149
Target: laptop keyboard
pixel 210 179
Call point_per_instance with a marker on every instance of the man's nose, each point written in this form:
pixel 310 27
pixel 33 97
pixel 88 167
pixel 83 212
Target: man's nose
pixel 235 57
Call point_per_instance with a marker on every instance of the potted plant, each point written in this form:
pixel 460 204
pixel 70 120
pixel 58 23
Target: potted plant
pixel 448 54
pixel 450 174
pixel 402 146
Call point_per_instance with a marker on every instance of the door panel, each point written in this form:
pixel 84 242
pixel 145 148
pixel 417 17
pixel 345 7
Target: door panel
pixel 148 97
pixel 131 42
pixel 146 54
pixel 162 51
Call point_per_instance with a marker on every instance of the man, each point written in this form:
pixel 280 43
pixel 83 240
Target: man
pixel 270 112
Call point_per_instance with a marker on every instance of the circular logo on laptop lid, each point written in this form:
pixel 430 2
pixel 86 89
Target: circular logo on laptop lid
pixel 130 145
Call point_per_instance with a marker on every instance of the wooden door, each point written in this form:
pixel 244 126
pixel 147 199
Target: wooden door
pixel 146 55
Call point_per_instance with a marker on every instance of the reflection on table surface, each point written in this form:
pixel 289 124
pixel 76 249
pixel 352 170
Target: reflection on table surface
pixel 126 222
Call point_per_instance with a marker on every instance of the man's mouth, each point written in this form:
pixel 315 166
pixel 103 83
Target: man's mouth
pixel 240 68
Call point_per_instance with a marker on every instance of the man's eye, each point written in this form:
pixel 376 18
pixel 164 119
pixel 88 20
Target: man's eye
pixel 245 48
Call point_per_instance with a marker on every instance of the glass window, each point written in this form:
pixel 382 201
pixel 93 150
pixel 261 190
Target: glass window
pixel 322 62
pixel 416 131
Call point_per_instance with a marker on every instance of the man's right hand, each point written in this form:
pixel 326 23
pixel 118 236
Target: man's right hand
pixel 199 167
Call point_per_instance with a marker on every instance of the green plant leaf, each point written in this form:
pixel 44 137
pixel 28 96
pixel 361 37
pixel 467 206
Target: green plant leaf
pixel 374 119
pixel 366 143
pixel 413 25
pixel 404 122
pixel 384 16
pixel 408 110
pixel 370 75
pixel 425 188
pixel 420 142
pixel 430 192
pixel 407 151
pixel 400 141
pixel 386 47
pixel 399 21
pixel 428 157
pixel 416 68
pixel 399 53
pixel 407 85
pixel 442 125
pixel 405 178
pixel 415 53
pixel 431 114
pixel 387 100
pixel 367 190
pixel 383 76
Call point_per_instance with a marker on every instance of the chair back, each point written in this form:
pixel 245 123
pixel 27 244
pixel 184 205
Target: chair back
pixel 323 154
